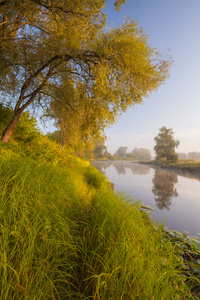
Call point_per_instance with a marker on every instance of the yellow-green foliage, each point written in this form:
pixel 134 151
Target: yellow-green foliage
pixel 119 66
pixel 41 149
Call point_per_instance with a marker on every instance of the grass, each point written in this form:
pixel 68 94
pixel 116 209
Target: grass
pixel 66 235
pixel 180 165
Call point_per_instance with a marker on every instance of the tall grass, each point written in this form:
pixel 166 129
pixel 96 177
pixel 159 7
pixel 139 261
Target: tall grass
pixel 124 257
pixel 66 235
pixel 38 231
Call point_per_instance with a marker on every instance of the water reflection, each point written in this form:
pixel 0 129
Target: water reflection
pixel 122 167
pixel 139 169
pixel 101 165
pixel 164 188
pixel 136 169
pixel 174 197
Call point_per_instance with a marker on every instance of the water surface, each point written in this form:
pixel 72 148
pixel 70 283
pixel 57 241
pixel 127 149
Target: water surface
pixel 174 197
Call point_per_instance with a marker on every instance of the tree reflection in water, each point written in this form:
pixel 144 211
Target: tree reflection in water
pixel 122 166
pixel 138 169
pixel 101 165
pixel 164 189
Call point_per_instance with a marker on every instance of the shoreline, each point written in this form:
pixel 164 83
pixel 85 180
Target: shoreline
pixel 184 170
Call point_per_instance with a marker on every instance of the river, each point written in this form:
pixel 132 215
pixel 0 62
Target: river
pixel 175 198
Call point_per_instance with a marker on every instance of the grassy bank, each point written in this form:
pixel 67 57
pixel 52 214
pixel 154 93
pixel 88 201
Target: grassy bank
pixel 66 235
pixel 184 165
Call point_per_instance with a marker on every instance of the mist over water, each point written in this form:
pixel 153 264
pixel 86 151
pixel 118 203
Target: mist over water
pixel 174 197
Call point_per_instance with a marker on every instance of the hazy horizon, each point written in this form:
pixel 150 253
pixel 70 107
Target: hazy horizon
pixel 173 25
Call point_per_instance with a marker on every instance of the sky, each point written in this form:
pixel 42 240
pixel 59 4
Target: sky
pixel 172 25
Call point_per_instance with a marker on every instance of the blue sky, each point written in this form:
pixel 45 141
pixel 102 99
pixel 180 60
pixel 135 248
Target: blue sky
pixel 174 25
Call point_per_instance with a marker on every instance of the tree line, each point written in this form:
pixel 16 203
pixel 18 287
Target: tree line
pixel 99 151
pixel 194 155
pixel 135 154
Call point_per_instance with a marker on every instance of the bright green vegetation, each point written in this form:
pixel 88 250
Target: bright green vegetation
pixel 187 163
pixel 66 235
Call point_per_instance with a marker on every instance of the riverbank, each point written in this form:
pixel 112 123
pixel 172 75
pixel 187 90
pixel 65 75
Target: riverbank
pixel 188 167
pixel 67 235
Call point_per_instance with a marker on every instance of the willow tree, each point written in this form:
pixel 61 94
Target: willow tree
pixel 46 42
pixel 71 111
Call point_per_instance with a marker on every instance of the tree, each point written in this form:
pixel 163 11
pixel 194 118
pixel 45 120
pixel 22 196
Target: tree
pixel 194 155
pixel 165 145
pixel 182 156
pixel 99 148
pixel 122 151
pixel 190 155
pixel 47 43
pixel 76 122
pixel 141 154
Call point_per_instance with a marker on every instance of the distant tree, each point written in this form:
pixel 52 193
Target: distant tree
pixel 122 151
pixel 182 156
pixel 190 155
pixel 194 155
pixel 165 145
pixel 99 148
pixel 44 43
pixel 107 155
pixel 141 154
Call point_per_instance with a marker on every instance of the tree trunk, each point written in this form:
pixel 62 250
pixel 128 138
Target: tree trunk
pixel 8 131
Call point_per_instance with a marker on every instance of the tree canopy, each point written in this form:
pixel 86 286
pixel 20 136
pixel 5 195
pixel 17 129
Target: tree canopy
pixel 165 145
pixel 122 151
pixel 50 50
pixel 141 154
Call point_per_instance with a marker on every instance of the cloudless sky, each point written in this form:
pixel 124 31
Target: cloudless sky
pixel 174 25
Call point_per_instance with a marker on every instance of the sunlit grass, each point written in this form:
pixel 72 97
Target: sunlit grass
pixel 66 235
pixel 38 227
pixel 125 257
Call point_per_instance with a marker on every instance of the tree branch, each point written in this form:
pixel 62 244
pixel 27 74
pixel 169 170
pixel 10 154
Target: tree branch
pixel 60 102
pixel 33 76
pixel 3 3
pixel 55 7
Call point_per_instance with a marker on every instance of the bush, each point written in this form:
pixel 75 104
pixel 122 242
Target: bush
pixel 26 130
